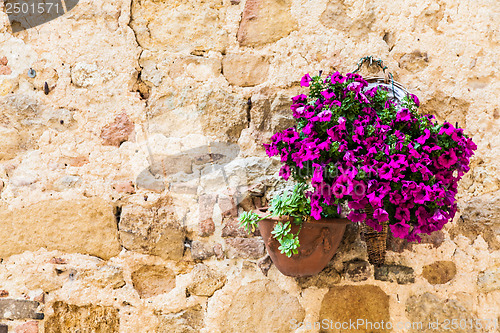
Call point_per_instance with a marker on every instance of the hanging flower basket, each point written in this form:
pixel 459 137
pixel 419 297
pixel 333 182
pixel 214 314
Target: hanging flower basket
pixel 361 144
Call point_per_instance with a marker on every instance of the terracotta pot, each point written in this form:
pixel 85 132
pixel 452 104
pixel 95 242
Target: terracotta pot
pixel 319 241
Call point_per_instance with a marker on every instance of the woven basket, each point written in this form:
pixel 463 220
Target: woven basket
pixel 375 241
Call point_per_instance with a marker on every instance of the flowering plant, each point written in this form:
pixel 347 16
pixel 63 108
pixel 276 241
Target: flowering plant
pixel 358 147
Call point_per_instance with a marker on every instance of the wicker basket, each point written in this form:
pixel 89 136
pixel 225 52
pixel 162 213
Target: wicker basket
pixel 375 241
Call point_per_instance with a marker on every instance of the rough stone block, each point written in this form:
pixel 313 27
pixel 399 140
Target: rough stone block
pixel 265 21
pixel 19 309
pixel 69 318
pixel 85 226
pixel 205 281
pixel 275 309
pixel 395 273
pixel 152 229
pixel 249 248
pixel 153 280
pixel 439 272
pixel 357 270
pixel 328 277
pixel 245 69
pixel 350 303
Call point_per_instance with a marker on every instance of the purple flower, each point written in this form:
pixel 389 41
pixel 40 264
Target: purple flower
pixel 402 214
pixel 380 215
pixel 356 216
pixel 400 230
pixel 285 172
pixel 415 100
pixel 306 79
pixel 424 137
pixel 447 129
pixel 403 115
pixel 448 159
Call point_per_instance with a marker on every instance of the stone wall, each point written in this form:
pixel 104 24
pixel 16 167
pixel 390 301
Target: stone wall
pixel 121 180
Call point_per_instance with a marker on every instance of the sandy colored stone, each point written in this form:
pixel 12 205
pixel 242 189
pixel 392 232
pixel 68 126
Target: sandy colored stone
pixel 428 308
pixel 9 143
pixel 489 280
pixel 69 318
pixel 4 61
pixel 274 306
pixel 152 229
pixel 479 216
pixel 85 226
pixel 224 115
pixel 187 321
pixel 205 281
pixel 245 69
pixel 153 280
pixel 350 303
pixel 117 132
pixel 265 21
pixel 439 272
pixel 180 26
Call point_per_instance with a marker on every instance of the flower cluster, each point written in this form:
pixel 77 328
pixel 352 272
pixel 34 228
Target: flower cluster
pixel 359 147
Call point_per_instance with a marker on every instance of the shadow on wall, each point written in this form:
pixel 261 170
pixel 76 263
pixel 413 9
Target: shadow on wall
pixel 205 171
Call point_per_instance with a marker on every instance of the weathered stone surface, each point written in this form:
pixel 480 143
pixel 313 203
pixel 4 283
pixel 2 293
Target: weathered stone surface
pixel 9 143
pixel 489 280
pixel 357 270
pixel 479 216
pixel 28 327
pixel 117 132
pixel 201 250
pixel 350 303
pixel 19 309
pixel 206 204
pixel 428 308
pixel 224 115
pixel 171 25
pixel 227 205
pixel 339 15
pixel 328 277
pixel 84 75
pixel 66 182
pixel 152 229
pixel 187 321
pixel 76 226
pixel 150 181
pixel 413 61
pixel 265 21
pixel 245 69
pixel 153 280
pixel 439 272
pixel 261 297
pixel 205 281
pixel 4 328
pixel 232 228
pixel 395 273
pixel 69 318
pixel 250 248
pixel 265 264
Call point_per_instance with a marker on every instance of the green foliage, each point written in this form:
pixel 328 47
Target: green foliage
pixel 294 205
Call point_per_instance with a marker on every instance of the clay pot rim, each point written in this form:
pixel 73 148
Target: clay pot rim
pixel 310 221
